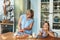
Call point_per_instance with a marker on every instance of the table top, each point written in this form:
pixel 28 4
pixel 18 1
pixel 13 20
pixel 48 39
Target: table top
pixel 6 23
pixel 9 36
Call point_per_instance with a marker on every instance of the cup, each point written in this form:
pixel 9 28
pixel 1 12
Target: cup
pixel 33 35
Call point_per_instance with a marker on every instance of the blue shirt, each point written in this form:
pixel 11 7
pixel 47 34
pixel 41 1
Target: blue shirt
pixel 26 23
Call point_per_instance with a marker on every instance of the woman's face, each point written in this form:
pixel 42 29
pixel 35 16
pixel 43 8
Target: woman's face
pixel 28 14
pixel 7 2
pixel 45 26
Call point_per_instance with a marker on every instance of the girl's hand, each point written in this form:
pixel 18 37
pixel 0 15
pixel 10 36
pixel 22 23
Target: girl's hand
pixel 40 34
pixel 45 29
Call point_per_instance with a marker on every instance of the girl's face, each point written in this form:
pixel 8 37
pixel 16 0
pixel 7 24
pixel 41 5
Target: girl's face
pixel 28 14
pixel 45 26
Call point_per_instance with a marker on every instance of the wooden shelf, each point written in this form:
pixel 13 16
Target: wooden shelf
pixel 56 11
pixel 44 11
pixel 56 6
pixel 6 23
pixel 55 1
pixel 56 22
pixel 44 2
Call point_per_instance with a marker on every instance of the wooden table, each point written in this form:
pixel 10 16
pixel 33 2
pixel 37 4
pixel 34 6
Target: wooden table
pixel 48 38
pixel 6 26
pixel 9 36
pixel 6 36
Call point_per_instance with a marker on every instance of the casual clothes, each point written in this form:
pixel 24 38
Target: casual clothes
pixel 24 24
pixel 44 34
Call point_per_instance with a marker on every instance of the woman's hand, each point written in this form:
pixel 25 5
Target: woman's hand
pixel 22 30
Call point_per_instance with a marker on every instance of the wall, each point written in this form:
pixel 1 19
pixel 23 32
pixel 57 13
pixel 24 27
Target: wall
pixel 20 8
pixel 35 5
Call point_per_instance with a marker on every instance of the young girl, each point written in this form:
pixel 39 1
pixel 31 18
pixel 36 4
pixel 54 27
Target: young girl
pixel 46 30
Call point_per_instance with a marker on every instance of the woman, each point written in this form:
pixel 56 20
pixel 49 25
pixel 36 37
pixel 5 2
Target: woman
pixel 6 6
pixel 46 30
pixel 25 23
